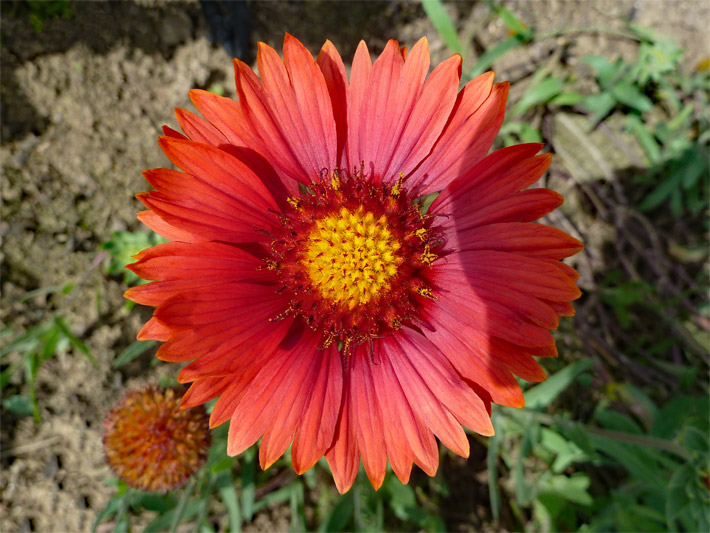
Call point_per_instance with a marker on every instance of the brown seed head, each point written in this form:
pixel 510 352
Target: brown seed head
pixel 153 445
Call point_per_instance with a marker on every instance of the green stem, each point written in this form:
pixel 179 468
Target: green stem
pixel 180 510
pixel 620 436
pixel 582 29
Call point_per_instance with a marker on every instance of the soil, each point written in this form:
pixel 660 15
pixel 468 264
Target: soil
pixel 82 105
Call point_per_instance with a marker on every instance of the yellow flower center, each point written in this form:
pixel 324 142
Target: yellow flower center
pixel 351 257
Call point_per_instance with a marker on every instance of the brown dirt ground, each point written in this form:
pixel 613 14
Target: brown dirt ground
pixel 82 105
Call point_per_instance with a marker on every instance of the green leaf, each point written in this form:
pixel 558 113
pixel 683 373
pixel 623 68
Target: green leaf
pixel 225 486
pixel 661 193
pixel 617 421
pixel 606 72
pixel 567 98
pixel 49 289
pixel 645 138
pixel 341 515
pixel 152 501
pixel 248 483
pixel 426 201
pixel 163 521
pixel 566 452
pixel 571 488
pixel 639 462
pixel 677 496
pixel 514 25
pixel 492 464
pixel 298 515
pixel 281 495
pixel 491 55
pixel 629 95
pixel 18 404
pixel 134 350
pixel 542 395
pixel 539 94
pixel 73 339
pixel 600 104
pixel 695 441
pixel 434 9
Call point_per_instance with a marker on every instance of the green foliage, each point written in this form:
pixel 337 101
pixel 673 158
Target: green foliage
pixel 667 113
pixel 666 458
pixel 27 352
pixel 230 491
pixel 441 21
pixel 42 10
pixel 122 247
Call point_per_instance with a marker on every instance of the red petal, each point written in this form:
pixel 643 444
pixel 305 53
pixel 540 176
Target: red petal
pixel 276 397
pixel 474 357
pixel 180 261
pixel 537 277
pixel 198 129
pixel 529 239
pixel 406 437
pixel 473 125
pixel 224 114
pixel 438 376
pixel 378 109
pixel 165 230
pixel 154 330
pixel 203 391
pixel 523 206
pixel 368 422
pixel 504 172
pixel 344 456
pixel 317 426
pixel 331 65
pixel 427 118
pixel 359 76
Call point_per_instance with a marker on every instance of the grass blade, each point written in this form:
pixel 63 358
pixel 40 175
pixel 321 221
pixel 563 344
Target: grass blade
pixel 134 350
pixel 434 9
pixel 225 485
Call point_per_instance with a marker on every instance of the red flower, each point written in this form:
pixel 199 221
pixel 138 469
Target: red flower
pixel 153 445
pixel 307 287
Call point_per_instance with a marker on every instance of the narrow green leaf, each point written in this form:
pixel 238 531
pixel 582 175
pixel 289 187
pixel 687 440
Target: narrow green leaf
pixel 163 521
pixel 492 464
pixel 491 55
pixel 133 351
pixel 7 374
pixel 49 289
pixel 298 513
pixel 340 516
pixel 434 9
pixel 281 495
pixel 539 94
pixel 18 404
pixel 248 487
pixel 542 395
pixel 606 71
pixel 645 138
pixel 73 339
pixel 513 23
pixel 629 95
pixel 179 511
pixel 600 104
pixel 567 98
pixel 225 485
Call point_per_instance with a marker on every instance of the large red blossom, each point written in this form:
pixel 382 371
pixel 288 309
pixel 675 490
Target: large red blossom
pixel 307 287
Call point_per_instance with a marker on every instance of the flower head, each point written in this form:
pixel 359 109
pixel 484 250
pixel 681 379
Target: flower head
pixel 152 444
pixel 311 292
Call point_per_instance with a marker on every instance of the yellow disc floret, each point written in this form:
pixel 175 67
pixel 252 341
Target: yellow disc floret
pixel 351 257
